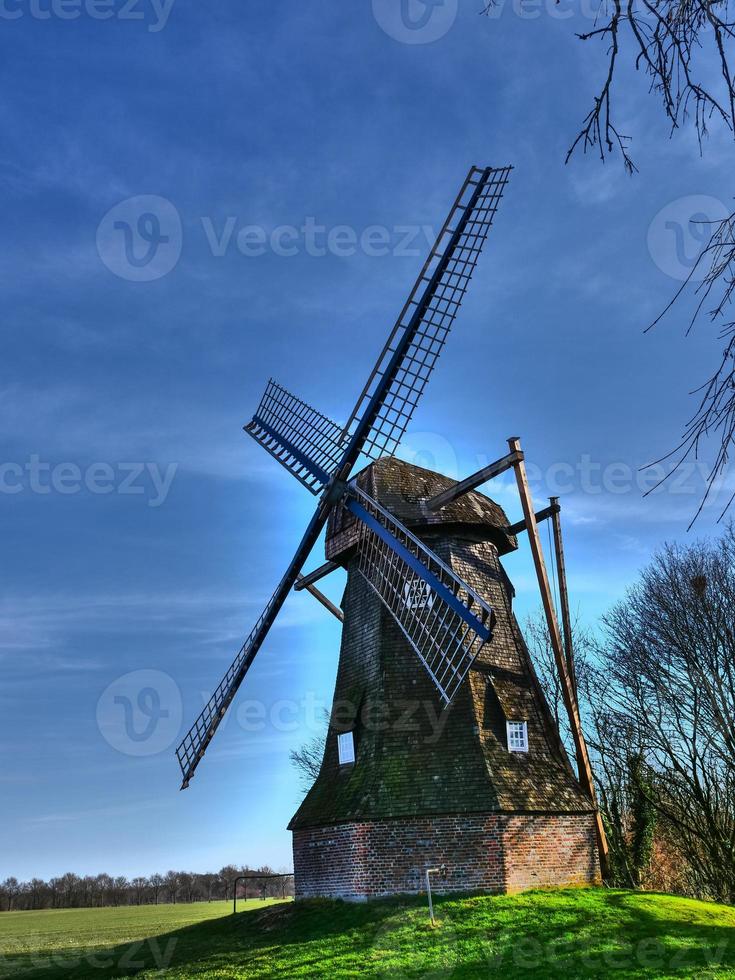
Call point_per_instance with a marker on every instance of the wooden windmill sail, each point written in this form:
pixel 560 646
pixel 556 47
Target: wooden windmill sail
pixel 322 455
pixel 430 600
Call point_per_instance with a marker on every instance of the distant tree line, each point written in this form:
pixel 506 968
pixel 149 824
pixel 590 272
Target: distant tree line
pixel 96 891
pixel 657 694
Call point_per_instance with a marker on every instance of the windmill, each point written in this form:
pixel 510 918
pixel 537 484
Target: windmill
pixel 434 612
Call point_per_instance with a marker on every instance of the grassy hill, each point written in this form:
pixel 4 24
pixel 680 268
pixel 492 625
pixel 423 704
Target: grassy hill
pixel 572 933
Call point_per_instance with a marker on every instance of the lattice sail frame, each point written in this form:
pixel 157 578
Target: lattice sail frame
pixel 431 310
pixel 195 742
pixel 375 427
pixel 446 622
pixel 306 442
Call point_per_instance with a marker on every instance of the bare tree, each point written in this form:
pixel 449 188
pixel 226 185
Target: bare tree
pixel 10 889
pixel 155 883
pixel 669 664
pixel 675 42
pixel 120 886
pixel 227 877
pixel 104 887
pixel 307 760
pixel 207 883
pixel 70 885
pixel 186 884
pixel 139 886
pixel 172 880
pixel 37 891
pixel 715 414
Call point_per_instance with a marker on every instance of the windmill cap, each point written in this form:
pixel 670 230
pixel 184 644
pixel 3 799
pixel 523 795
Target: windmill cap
pixel 405 490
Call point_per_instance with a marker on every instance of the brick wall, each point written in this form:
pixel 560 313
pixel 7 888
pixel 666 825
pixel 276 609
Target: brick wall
pixel 482 852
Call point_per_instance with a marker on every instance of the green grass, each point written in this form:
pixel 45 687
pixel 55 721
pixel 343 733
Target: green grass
pixel 572 933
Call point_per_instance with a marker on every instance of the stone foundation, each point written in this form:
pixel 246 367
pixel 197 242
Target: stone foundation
pixel 482 852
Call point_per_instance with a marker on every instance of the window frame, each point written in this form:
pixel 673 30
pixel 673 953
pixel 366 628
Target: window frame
pixel 511 738
pixel 346 739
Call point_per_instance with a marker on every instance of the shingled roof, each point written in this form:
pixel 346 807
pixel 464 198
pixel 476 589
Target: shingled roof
pixel 430 762
pixel 405 490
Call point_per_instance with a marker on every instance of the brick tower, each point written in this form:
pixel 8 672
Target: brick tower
pixel 485 787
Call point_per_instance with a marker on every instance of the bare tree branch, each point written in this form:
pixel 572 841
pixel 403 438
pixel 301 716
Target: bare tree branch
pixel 675 43
pixel 715 414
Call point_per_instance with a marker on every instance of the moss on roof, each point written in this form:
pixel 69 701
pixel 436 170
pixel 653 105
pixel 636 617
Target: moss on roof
pixel 429 761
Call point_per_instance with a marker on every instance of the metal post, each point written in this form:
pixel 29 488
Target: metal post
pixel 263 888
pixel 430 871
pixel 433 871
pixel 568 693
pixel 234 892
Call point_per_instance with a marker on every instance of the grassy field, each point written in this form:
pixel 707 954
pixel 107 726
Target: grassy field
pixel 581 933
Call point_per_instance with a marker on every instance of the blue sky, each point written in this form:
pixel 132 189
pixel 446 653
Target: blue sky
pixel 142 530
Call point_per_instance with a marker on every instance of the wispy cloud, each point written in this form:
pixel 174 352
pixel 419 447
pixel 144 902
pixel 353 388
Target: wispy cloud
pixel 97 813
pixel 47 629
pixel 196 440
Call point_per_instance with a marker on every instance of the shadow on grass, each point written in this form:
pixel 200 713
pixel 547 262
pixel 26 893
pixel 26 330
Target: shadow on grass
pixel 585 933
pixel 226 944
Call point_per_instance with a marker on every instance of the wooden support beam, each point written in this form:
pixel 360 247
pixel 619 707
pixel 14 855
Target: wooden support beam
pixel 320 597
pixel 566 619
pixel 304 581
pixel 473 482
pixel 541 515
pixel 568 693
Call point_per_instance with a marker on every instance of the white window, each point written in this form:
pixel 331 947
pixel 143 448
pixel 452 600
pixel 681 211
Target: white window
pixel 346 748
pixel 517 736
pixel 417 594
